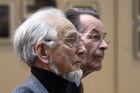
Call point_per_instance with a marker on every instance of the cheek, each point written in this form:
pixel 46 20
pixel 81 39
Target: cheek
pixel 61 60
pixel 66 54
pixel 90 46
pixel 88 43
pixel 69 51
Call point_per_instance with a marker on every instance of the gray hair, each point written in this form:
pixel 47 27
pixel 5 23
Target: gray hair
pixel 35 29
pixel 73 14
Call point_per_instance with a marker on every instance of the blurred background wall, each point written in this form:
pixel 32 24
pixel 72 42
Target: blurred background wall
pixel 121 66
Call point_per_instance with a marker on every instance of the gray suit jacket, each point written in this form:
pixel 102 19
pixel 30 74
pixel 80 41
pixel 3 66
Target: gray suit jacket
pixel 32 85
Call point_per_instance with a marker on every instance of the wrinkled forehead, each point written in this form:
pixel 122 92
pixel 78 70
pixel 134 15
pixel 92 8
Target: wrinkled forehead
pixel 90 22
pixel 61 24
pixel 64 26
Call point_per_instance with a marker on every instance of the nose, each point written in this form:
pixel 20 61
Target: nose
pixel 81 51
pixel 103 45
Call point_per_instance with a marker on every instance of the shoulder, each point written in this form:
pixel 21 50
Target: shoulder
pixel 23 88
pixel 32 85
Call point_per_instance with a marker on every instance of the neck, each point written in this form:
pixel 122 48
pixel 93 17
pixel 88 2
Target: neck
pixel 42 65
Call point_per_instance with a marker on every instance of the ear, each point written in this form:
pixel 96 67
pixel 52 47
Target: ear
pixel 42 51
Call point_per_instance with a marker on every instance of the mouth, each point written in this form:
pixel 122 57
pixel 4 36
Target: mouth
pixel 98 56
pixel 78 62
pixel 101 55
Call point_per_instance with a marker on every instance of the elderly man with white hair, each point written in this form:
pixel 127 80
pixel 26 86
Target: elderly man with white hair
pixel 53 49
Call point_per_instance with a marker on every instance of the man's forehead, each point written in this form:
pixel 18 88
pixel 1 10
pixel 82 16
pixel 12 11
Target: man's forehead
pixel 61 24
pixel 87 20
pixel 65 26
pixel 88 17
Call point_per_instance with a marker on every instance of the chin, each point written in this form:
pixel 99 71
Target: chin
pixel 73 76
pixel 97 67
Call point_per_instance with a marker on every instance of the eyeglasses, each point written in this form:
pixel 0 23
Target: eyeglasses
pixel 72 42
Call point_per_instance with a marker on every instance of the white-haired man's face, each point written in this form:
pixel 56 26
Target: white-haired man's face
pixel 66 56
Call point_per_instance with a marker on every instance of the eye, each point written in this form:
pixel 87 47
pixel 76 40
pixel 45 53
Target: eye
pixel 94 37
pixel 72 40
pixel 72 37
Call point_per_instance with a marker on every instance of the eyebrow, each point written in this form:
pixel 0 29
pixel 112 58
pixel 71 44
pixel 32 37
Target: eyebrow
pixel 96 31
